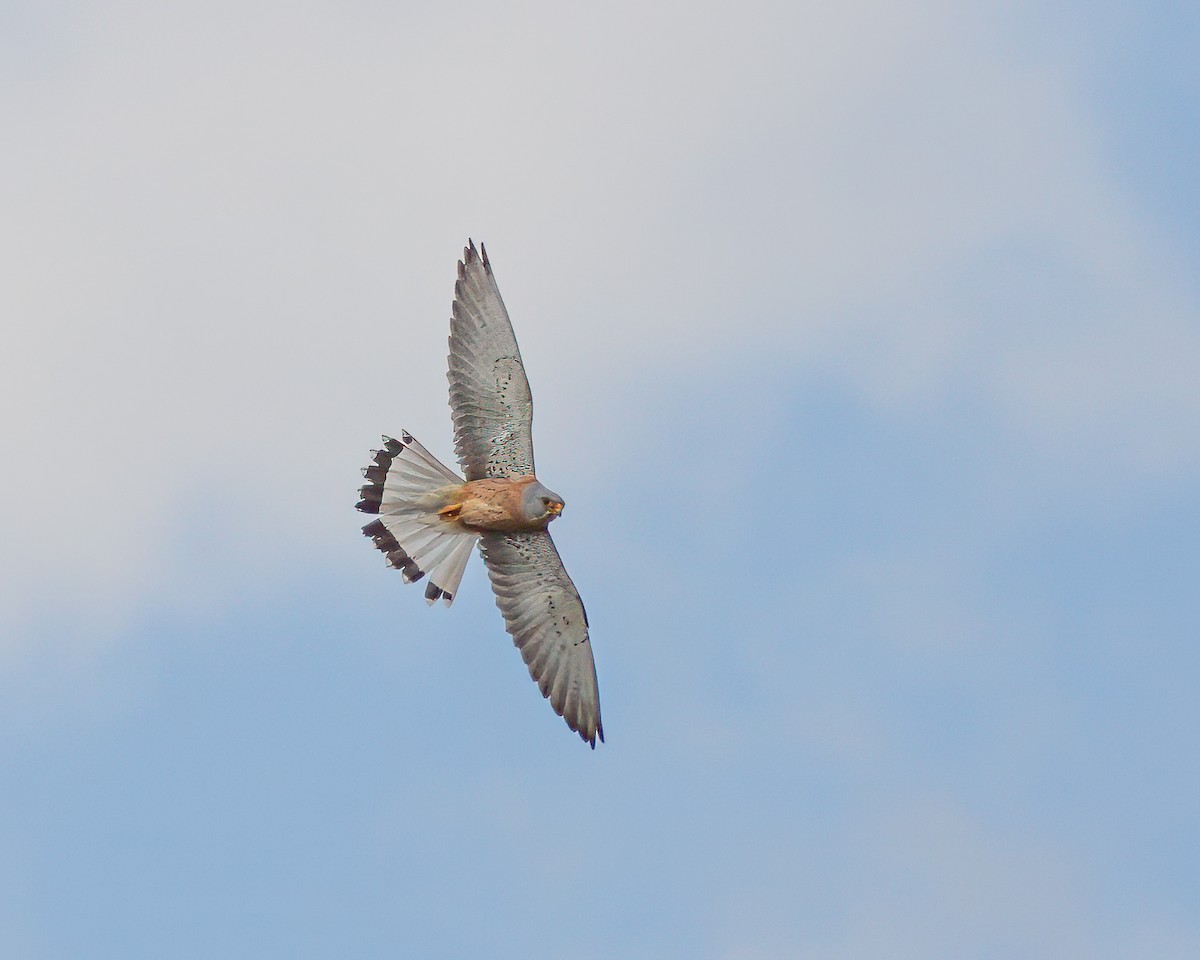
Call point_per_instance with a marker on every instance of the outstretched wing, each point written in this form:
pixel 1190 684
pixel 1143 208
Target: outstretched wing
pixel 544 614
pixel 489 394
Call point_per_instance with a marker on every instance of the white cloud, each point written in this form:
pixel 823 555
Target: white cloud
pixel 229 241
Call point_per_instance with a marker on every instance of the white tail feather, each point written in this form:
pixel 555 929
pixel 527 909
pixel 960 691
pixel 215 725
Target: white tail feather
pixel 407 486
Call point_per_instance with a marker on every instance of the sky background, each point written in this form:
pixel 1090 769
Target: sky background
pixel 864 343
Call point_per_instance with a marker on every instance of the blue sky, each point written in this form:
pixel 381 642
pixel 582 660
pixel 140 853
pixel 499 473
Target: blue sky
pixel 863 344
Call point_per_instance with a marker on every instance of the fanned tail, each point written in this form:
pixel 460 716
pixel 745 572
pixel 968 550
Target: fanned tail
pixel 406 486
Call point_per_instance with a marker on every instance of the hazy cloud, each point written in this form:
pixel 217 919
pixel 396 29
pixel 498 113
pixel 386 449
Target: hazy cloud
pixel 230 241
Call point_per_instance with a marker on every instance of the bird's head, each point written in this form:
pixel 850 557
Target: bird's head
pixel 541 503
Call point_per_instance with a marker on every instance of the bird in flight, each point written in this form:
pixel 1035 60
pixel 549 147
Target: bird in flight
pixel 428 518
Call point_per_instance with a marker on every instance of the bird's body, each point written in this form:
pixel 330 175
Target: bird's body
pixel 429 518
pixel 496 505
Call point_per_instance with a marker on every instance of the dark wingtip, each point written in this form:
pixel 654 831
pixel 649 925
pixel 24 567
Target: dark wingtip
pixel 590 741
pixel 470 255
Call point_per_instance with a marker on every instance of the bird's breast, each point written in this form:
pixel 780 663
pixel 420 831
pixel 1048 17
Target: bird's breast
pixel 495 504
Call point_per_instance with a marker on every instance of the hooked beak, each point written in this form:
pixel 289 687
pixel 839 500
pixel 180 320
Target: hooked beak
pixel 555 507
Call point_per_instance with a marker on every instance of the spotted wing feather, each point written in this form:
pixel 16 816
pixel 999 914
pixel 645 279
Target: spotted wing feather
pixel 545 617
pixel 490 400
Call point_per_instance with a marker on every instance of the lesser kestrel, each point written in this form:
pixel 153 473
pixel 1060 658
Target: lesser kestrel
pixel 429 518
